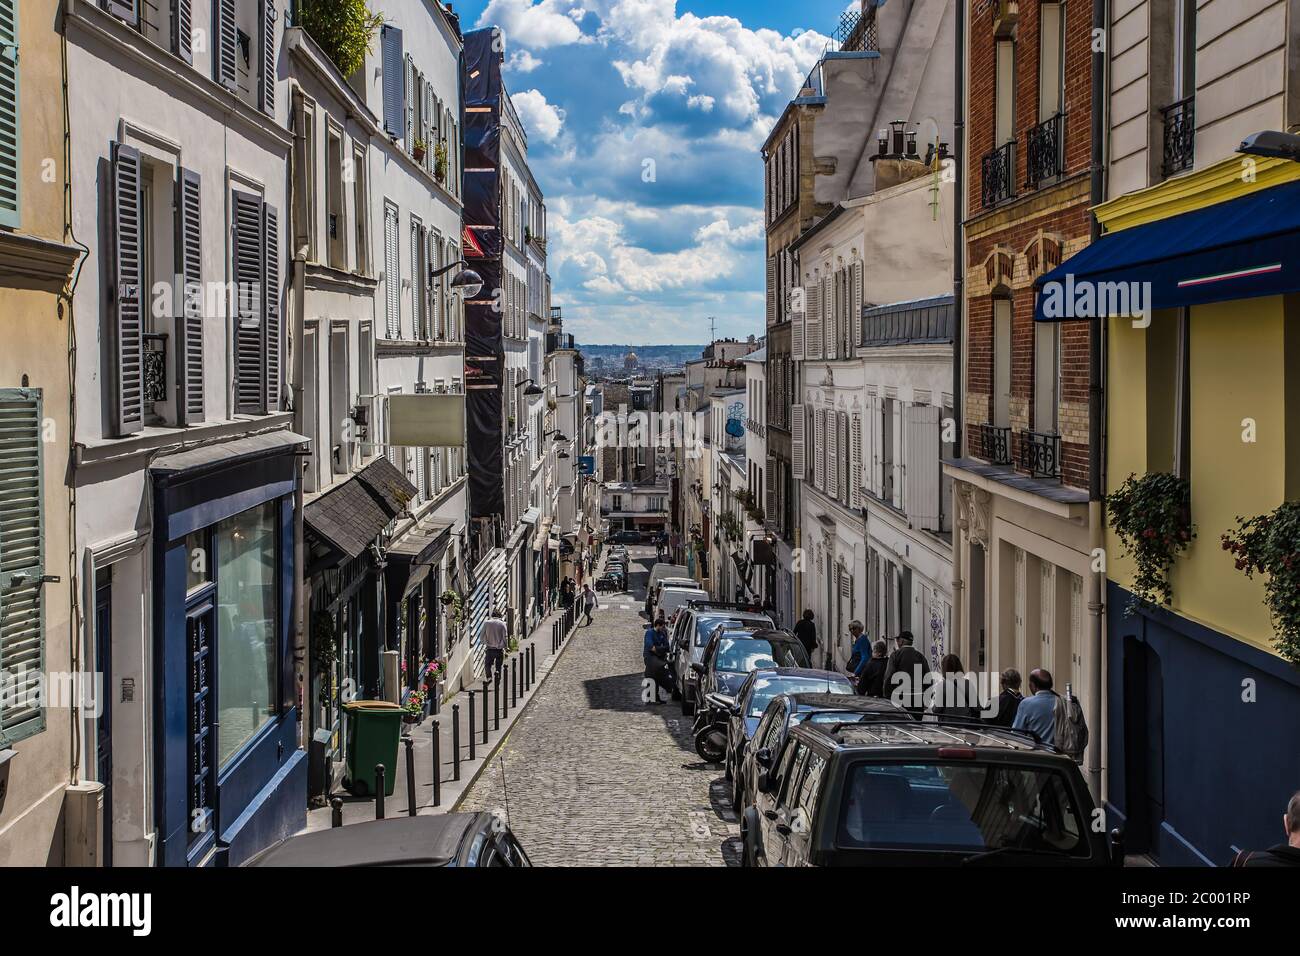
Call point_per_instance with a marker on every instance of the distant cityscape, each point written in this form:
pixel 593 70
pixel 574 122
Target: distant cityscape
pixel 618 361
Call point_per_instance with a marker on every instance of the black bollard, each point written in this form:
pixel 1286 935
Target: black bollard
pixel 410 774
pixel 380 787
pixel 437 766
pixel 485 703
pixel 472 734
pixel 496 703
pixel 532 663
pixel 336 812
pixel 455 741
pixel 514 683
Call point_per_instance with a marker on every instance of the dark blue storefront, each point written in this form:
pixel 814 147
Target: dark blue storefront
pixel 1202 738
pixel 230 777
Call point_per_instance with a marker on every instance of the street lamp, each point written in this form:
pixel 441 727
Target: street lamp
pixel 467 281
pixel 531 390
pixel 1272 144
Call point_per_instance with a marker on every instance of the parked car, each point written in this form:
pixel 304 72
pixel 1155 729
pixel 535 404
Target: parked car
pixel 660 573
pixel 628 537
pixel 652 593
pixel 450 839
pixel 931 793
pixel 731 654
pixel 673 598
pixel 612 581
pixel 761 686
pixel 695 624
pixel 784 711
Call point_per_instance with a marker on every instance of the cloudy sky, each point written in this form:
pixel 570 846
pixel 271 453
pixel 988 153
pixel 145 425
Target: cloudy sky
pixel 644 121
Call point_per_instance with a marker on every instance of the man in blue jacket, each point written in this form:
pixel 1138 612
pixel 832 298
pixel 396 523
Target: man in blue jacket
pixel 654 652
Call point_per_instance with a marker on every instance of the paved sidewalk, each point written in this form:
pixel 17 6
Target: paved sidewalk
pixel 473 758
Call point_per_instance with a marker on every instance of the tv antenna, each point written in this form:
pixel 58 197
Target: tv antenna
pixel 713 329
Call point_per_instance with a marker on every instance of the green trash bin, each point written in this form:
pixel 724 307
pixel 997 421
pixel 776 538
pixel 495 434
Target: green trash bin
pixel 374 731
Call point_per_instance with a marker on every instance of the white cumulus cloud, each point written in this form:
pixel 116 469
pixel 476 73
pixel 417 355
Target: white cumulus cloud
pixel 539 117
pixel 546 24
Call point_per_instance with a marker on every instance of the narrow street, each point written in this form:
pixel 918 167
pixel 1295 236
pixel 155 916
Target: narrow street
pixel 593 776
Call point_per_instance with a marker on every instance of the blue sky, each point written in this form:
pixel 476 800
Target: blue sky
pixel 644 120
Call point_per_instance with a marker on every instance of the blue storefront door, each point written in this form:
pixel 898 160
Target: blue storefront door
pixel 1144 746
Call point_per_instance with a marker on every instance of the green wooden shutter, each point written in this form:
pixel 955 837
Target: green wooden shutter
pixel 9 139
pixel 189 324
pixel 22 542
pixel 250 391
pixel 128 355
pixel 271 286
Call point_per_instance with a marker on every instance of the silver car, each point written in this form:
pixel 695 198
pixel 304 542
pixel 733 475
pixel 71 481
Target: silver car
pixel 695 624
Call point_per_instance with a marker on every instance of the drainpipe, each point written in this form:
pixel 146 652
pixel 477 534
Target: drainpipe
pixel 1096 419
pixel 296 363
pixel 959 298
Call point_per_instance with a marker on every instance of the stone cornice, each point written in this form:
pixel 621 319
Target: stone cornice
pixel 32 262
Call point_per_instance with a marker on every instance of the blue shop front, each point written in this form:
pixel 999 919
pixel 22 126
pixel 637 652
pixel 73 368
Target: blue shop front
pixel 230 777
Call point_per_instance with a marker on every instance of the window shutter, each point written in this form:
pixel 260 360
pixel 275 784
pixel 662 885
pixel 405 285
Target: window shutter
pixel 819 449
pixel 797 325
pixel 227 43
pixel 392 277
pixel 268 57
pixel 22 564
pixel 874 433
pixel 830 313
pixel 857 307
pixel 122 9
pixel 833 454
pixel 771 290
pixel 250 390
pixel 183 30
pixel 271 287
pixel 812 338
pixel 9 179
pixel 421 491
pixel 128 342
pixel 409 98
pixel 189 324
pixel 923 471
pixel 391 58
pixel 433 308
pixel 855 473
pixel 417 320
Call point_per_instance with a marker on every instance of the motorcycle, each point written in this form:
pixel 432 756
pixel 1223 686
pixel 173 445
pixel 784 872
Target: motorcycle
pixel 710 727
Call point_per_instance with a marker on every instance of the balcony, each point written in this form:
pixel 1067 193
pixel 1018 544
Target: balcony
pixel 155 367
pixel 992 443
pixel 1045 151
pixel 997 175
pixel 1040 454
pixel 855 34
pixel 1180 135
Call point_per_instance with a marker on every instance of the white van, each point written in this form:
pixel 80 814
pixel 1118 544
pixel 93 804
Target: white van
pixel 671 598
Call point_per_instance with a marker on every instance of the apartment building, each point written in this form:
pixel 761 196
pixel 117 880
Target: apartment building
pixel 760 543
pixel 52 793
pixel 1026 591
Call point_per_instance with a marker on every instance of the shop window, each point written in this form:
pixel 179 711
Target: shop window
pixel 198 570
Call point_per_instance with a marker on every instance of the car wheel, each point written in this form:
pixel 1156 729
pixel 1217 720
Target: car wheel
pixel 748 837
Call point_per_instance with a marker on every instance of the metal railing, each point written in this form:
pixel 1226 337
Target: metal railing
pixel 155 367
pixel 855 34
pixel 992 443
pixel 1040 454
pixel 1045 151
pixel 997 174
pixel 1180 135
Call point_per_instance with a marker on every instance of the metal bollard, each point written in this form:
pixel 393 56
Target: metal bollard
pixel 336 812
pixel 472 734
pixel 380 787
pixel 485 702
pixel 496 703
pixel 410 775
pixel 437 766
pixel 532 663
pixel 514 683
pixel 455 741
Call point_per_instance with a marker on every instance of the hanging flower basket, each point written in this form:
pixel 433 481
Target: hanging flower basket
pixel 1152 518
pixel 1269 544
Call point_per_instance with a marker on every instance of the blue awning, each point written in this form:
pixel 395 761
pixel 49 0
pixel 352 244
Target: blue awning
pixel 1238 249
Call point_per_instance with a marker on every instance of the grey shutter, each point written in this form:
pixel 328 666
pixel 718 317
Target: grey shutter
pixel 855 467
pixel 268 57
pixel 391 60
pixel 832 433
pixel 812 337
pixel 771 290
pixel 226 45
pixel 22 564
pixel 271 290
pixel 857 308
pixel 128 344
pixel 392 273
pixel 9 179
pixel 189 324
pixel 798 445
pixel 433 261
pixel 122 9
pixel 408 97
pixel 250 391
pixel 183 30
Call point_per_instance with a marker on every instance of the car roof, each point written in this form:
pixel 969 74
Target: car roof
pixel 398 841
pixel 733 615
pixel 924 734
pixel 806 703
pixel 763 633
pixel 807 673
pixel 683 588
pixel 678 582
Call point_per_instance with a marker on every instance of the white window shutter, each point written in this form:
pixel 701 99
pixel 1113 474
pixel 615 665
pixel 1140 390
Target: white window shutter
pixel 798 444
pixel 855 468
pixel 813 320
pixel 392 273
pixel 877 447
pixel 828 317
pixel 797 330
pixel 924 465
pixel 819 449
pixel 833 454
pixel 857 307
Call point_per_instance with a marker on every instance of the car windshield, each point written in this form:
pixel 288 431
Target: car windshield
pixel 740 655
pixel 767 687
pixel 962 807
pixel 706 624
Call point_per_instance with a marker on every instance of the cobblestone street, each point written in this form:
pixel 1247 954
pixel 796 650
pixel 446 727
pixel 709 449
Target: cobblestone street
pixel 596 777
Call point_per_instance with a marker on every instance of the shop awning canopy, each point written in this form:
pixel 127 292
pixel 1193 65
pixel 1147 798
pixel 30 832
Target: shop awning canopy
pixel 1238 249
pixel 350 515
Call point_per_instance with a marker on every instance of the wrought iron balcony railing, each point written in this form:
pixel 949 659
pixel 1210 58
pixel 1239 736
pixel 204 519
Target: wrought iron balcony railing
pixel 997 174
pixel 1180 135
pixel 855 33
pixel 1045 151
pixel 1040 454
pixel 992 443
pixel 155 367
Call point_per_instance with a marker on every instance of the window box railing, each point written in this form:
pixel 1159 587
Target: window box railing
pixel 1180 135
pixel 992 443
pixel 997 174
pixel 1045 151
pixel 1040 454
pixel 155 367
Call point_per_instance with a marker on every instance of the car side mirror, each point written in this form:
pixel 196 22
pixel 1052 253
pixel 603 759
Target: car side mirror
pixel 698 668
pixel 763 757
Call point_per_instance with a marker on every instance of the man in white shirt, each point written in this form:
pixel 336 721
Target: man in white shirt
pixel 494 634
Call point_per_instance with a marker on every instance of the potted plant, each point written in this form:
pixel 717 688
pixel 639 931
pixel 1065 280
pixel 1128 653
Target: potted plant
pixel 440 161
pixel 413 706
pixel 419 149
pixel 1152 518
pixel 1269 544
pixel 343 29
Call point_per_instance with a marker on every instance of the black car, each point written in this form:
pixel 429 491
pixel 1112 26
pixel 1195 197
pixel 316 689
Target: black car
pixel 731 654
pixel 450 839
pixel 930 793
pixel 628 537
pixel 752 699
pixel 784 711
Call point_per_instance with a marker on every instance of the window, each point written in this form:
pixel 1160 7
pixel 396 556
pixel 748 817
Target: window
pixel 198 570
pixel 10 206
pixel 247 625
pixel 1051 60
pixel 340 393
pixel 419 275
pixel 255 227
pixel 360 209
pixel 304 161
pixel 1005 93
pixel 392 274
pixel 311 401
pixel 391 66
pixel 244 47
pixel 335 223
pixel 1002 362
pixel 1184 49
pixel 22 565
pixel 1047 363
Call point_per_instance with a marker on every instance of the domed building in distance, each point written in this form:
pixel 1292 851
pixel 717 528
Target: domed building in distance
pixel 630 361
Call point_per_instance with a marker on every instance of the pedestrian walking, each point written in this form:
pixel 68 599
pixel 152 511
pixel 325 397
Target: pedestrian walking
pixel 860 651
pixel 589 603
pixel 959 694
pixel 494 634
pixel 654 653
pixel 871 674
pixel 1037 713
pixel 905 674
pixel 806 631
pixel 1283 854
pixel 1009 699
pixel 567 592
